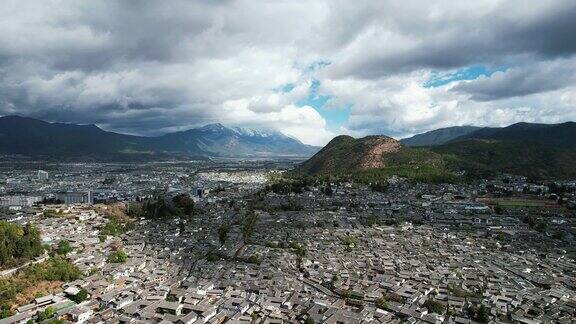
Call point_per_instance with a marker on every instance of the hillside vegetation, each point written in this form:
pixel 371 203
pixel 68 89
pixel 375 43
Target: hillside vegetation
pixel 374 159
pixel 539 152
pixel 34 280
pixel 556 136
pixel 484 158
pixel 18 244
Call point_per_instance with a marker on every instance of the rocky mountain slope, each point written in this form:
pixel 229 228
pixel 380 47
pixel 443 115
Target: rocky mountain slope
pixel 345 153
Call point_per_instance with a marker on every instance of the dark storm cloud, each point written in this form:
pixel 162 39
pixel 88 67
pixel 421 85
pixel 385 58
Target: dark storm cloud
pixel 96 35
pixel 148 67
pixel 50 57
pixel 53 62
pixel 521 81
pixel 502 37
pixel 549 36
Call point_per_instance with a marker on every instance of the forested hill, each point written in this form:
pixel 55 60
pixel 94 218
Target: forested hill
pixel 538 151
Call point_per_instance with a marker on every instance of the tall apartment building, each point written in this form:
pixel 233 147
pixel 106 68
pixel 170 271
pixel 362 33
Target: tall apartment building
pixel 42 175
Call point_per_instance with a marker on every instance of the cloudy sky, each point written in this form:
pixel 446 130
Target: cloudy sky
pixel 312 69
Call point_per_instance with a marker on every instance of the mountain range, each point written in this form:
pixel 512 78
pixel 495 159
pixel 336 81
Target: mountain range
pixel 538 151
pixel 37 139
pixel 438 136
pixel 555 135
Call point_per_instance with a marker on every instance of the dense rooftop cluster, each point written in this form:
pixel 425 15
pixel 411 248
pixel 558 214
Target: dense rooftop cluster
pixel 317 252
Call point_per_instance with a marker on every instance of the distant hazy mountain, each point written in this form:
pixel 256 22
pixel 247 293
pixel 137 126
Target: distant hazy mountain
pixel 39 139
pixel 439 136
pixel 560 136
pixel 218 140
pixel 35 138
pixel 557 135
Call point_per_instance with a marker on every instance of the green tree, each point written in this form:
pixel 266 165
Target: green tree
pixel 434 306
pixel 115 227
pixel 479 313
pixel 212 256
pixel 184 204
pixel 249 224
pixel 171 298
pixel 223 231
pixel 48 313
pixel 498 210
pixel 379 186
pixel 18 244
pixel 382 303
pixel 254 259
pixel 64 247
pixel 158 208
pixel 5 311
pixel 118 257
pixel 299 249
pixel 482 314
pixel 81 296
pixel 349 241
pixel 54 269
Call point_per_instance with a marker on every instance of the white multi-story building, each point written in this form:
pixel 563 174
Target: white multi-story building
pixel 42 175
pixel 76 197
pixel 19 201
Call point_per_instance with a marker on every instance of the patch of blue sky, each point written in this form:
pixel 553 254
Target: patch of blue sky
pixel 286 88
pixel 317 66
pixel 438 79
pixel 335 116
